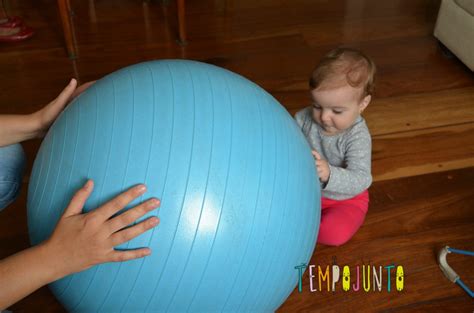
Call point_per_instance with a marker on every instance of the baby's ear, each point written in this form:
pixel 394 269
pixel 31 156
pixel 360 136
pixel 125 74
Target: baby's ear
pixel 364 103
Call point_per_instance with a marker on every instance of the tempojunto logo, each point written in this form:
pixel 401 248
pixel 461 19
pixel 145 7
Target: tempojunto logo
pixel 361 277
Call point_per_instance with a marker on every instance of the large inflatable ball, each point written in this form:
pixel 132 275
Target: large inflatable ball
pixel 240 199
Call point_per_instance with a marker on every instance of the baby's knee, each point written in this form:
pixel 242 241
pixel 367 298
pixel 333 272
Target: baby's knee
pixel 339 240
pixel 336 235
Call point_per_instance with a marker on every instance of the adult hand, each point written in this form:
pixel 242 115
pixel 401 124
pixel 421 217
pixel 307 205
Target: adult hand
pixel 15 128
pixel 80 241
pixel 81 89
pixel 43 118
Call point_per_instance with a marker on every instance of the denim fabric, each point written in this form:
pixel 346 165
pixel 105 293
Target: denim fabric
pixel 12 165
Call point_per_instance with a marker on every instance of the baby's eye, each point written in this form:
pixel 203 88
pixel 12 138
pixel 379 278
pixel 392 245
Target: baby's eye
pixel 337 112
pixel 316 107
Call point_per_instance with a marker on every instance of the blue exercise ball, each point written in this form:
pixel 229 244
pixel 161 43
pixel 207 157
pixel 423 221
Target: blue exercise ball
pixel 240 198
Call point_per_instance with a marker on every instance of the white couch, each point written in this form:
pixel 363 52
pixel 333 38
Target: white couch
pixel 455 29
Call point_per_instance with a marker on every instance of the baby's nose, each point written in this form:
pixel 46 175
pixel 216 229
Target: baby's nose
pixel 325 117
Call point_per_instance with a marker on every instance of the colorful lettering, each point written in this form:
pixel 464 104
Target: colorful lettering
pixel 300 269
pixel 366 288
pixel 311 278
pixel 324 276
pixel 346 278
pixel 400 278
pixel 377 279
pixel 358 285
pixel 389 267
pixel 335 276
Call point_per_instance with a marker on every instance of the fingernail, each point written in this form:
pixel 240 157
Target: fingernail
pixel 141 188
pixel 154 221
pixel 154 202
pixel 88 184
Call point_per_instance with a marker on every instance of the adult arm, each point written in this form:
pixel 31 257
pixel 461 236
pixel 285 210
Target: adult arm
pixel 78 242
pixel 18 128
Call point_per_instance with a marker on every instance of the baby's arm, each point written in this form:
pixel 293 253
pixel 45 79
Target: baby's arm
pixel 78 242
pixel 18 128
pixel 355 176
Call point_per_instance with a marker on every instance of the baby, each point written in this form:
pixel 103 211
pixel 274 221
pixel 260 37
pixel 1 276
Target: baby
pixel 341 87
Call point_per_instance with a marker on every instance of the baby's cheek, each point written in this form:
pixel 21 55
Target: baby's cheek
pixel 315 117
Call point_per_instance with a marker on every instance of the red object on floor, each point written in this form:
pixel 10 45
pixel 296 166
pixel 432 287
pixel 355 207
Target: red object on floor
pixel 24 33
pixel 12 22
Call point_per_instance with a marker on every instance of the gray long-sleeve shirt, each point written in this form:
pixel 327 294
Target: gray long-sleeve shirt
pixel 348 154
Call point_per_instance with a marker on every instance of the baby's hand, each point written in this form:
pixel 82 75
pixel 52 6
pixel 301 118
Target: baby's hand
pixel 80 241
pixel 322 167
pixel 43 118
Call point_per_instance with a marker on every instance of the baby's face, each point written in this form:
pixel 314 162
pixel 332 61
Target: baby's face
pixel 336 109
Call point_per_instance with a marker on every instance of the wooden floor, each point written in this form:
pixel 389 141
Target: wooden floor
pixel 422 119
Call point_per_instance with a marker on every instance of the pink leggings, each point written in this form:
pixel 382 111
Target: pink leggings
pixel 340 219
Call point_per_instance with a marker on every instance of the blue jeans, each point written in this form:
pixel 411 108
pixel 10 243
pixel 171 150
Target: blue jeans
pixel 12 165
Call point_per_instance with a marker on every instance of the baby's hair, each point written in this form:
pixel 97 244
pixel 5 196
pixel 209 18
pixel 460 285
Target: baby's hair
pixel 344 66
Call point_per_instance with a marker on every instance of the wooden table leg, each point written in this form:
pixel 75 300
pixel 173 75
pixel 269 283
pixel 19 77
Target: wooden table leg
pixel 65 13
pixel 181 22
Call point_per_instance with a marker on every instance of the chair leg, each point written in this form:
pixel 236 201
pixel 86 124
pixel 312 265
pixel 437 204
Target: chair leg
pixel 65 13
pixel 181 23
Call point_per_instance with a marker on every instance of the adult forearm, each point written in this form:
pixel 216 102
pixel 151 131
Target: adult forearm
pixel 23 273
pixel 17 128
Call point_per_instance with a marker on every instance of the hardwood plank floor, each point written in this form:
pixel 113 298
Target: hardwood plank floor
pixel 422 151
pixel 421 111
pixel 409 220
pixel 421 118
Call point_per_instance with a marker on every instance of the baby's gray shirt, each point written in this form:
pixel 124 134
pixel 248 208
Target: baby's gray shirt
pixel 348 154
